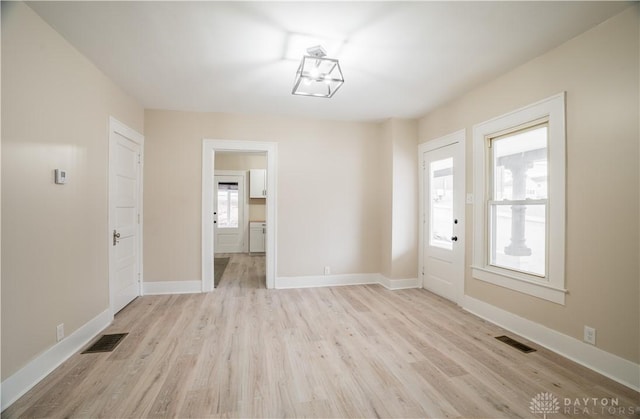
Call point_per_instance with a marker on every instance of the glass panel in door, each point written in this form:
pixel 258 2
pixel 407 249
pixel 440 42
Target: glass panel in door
pixel 441 203
pixel 228 210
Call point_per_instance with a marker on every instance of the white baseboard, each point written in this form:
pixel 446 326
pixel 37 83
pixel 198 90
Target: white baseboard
pixel 312 281
pixel 172 287
pixel 31 374
pixel 399 284
pixel 287 282
pixel 610 365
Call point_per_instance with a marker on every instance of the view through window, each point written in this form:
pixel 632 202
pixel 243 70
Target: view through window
pixel 227 205
pixel 441 203
pixel 518 200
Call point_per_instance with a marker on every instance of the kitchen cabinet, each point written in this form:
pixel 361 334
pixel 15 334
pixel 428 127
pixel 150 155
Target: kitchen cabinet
pixel 257 183
pixel 257 236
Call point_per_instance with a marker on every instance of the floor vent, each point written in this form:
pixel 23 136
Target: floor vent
pixel 518 345
pixel 106 343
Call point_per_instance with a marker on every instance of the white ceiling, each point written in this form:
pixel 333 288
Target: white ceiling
pixel 399 59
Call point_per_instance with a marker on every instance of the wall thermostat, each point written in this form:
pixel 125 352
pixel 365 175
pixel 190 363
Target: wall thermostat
pixel 61 176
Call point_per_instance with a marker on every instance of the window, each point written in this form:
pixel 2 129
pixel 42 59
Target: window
pixel 519 189
pixel 518 200
pixel 227 205
pixel 441 178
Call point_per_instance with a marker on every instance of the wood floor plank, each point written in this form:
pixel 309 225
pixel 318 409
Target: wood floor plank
pixel 355 351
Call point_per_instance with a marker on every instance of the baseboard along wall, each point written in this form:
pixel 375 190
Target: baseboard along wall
pixel 313 281
pixel 612 366
pixel 31 374
pixel 171 287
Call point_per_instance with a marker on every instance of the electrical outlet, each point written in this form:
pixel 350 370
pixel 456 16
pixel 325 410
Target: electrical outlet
pixel 60 332
pixel 590 335
pixel 327 270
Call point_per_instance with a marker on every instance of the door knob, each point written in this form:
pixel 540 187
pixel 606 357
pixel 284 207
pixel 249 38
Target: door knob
pixel 454 238
pixel 116 236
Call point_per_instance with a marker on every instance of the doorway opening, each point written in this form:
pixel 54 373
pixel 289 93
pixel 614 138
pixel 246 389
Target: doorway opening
pixel 238 209
pixel 240 224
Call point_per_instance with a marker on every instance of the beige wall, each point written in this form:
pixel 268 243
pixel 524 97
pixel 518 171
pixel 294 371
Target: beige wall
pixel 385 202
pixel 599 70
pixel 55 111
pixel 245 162
pixel 405 200
pixel 233 160
pixel 328 178
pixel 399 199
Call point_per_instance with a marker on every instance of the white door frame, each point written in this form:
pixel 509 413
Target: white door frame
pixel 209 147
pixel 245 199
pixel 117 127
pixel 453 138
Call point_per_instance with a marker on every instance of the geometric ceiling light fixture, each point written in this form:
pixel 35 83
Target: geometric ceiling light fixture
pixel 317 75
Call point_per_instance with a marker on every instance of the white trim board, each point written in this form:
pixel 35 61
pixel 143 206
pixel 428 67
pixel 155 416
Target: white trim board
pixel 314 281
pixel 171 287
pixel 612 366
pixel 36 370
pixel 399 284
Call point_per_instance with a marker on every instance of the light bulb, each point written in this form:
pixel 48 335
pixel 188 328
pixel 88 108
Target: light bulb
pixel 314 73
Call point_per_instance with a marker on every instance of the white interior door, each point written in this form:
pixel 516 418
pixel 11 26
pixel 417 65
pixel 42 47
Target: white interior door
pixel 125 205
pixel 443 227
pixel 228 223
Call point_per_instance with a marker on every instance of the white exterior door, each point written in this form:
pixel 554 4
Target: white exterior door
pixel 125 206
pixel 228 217
pixel 442 205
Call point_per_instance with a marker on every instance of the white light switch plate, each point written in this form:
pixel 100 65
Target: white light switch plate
pixel 60 332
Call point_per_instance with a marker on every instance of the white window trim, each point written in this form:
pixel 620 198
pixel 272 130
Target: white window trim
pixel 552 287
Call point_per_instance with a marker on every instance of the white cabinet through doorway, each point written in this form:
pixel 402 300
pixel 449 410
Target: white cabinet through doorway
pixel 257 235
pixel 257 183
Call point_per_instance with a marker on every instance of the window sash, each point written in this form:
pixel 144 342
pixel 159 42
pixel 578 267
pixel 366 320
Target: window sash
pixel 227 212
pixel 519 202
pixel 491 256
pixel 491 251
pixel 551 110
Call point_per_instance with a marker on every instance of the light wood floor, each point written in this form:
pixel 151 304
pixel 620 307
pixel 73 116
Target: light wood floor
pixel 358 351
